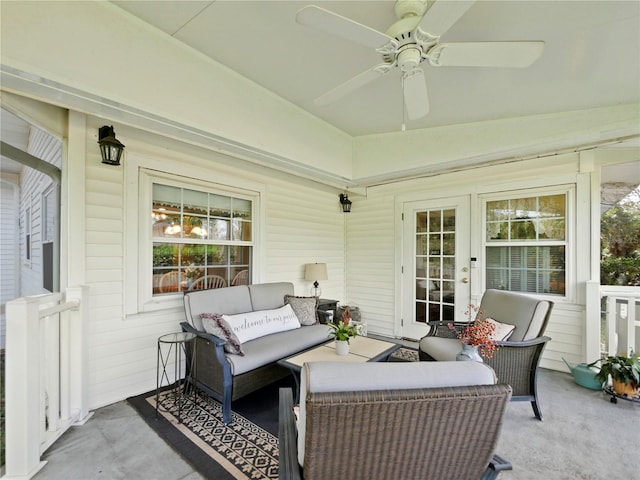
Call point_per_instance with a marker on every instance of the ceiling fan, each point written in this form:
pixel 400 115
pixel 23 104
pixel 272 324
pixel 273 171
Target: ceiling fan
pixel 412 39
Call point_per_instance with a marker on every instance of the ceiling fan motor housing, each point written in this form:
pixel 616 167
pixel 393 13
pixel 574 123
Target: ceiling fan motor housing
pixel 412 44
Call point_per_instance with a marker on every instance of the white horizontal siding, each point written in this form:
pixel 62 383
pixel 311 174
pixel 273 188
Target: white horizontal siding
pixel 302 224
pixel 32 185
pixel 567 332
pixel 372 236
pixel 371 261
pixel 9 238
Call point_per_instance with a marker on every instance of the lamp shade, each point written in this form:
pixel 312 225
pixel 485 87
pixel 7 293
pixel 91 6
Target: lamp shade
pixel 314 272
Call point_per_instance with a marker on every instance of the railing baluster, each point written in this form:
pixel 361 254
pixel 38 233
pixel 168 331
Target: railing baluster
pixel 631 325
pixel 612 336
pixel 621 319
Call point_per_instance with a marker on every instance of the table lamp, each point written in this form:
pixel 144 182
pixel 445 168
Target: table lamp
pixel 314 272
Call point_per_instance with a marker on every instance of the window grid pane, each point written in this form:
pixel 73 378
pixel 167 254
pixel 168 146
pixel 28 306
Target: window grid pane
pixel 200 239
pixel 535 229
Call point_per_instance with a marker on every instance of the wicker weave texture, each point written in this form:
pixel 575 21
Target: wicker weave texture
pixel 448 433
pixel 514 366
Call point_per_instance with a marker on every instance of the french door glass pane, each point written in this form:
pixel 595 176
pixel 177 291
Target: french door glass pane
pixel 435 265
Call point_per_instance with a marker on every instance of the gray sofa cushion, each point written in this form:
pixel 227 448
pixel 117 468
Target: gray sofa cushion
pixel 271 348
pixel 267 296
pixel 230 300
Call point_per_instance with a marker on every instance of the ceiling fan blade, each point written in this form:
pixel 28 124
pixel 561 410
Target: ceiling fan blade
pixel 352 84
pixel 330 22
pixel 416 100
pixel 485 54
pixel 442 15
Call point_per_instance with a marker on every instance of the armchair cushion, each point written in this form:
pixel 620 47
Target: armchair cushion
pixel 527 313
pixel 441 349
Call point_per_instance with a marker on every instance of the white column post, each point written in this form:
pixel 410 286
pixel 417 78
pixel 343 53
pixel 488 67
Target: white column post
pixel 22 392
pixel 77 348
pixel 592 327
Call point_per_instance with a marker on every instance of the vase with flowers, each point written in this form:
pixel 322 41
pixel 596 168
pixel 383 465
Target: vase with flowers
pixel 192 274
pixel 342 332
pixel 476 337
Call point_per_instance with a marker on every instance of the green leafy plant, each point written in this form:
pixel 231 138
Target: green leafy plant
pixel 342 331
pixel 621 368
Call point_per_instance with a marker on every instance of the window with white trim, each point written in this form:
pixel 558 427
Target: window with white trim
pixel 526 243
pixel 27 235
pixel 201 238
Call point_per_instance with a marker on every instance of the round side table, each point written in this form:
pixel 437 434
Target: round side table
pixel 173 346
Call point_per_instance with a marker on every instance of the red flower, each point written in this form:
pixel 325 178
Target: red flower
pixel 478 333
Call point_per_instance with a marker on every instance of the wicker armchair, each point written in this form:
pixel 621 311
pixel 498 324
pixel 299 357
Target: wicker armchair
pixel 516 360
pixel 350 429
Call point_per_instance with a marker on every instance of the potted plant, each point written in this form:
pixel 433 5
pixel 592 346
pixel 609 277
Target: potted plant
pixel 476 336
pixel 342 333
pixel 624 372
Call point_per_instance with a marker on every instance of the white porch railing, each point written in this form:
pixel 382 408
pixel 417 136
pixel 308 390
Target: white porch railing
pixel 613 320
pixel 45 375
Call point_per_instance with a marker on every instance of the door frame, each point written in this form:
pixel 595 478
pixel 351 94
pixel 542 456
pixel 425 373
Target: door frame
pixel 475 225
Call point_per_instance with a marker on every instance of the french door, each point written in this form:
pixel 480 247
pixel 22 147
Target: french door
pixel 435 270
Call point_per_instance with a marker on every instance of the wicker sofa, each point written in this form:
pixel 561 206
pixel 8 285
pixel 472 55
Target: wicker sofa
pixel 228 376
pixel 375 421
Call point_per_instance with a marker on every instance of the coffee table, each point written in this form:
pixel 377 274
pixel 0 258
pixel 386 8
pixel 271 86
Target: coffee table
pixel 361 349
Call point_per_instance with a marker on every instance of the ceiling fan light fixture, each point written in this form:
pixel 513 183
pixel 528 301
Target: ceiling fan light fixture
pixel 409 58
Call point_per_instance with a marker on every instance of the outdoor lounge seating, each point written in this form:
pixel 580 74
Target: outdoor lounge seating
pixel 378 421
pixel 516 360
pixel 227 370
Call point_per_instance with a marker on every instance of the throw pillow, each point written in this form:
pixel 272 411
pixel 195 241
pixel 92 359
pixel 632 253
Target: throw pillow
pixel 305 308
pixel 259 323
pixel 502 331
pixel 214 324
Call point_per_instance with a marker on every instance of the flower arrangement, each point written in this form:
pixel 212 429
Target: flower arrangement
pixel 478 333
pixel 342 330
pixel 193 273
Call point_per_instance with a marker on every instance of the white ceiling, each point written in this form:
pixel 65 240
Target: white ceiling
pixel 591 57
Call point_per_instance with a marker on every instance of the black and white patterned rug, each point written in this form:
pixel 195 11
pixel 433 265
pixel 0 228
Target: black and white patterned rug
pixel 245 449
pixel 405 355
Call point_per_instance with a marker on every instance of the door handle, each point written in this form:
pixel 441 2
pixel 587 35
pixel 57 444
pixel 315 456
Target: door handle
pixel 465 280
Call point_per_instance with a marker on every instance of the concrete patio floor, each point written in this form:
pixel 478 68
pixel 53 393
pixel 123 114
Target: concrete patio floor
pixel 583 436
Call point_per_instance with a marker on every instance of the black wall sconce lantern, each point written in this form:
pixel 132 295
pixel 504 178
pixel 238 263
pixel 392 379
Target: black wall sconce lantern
pixel 345 202
pixel 110 147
